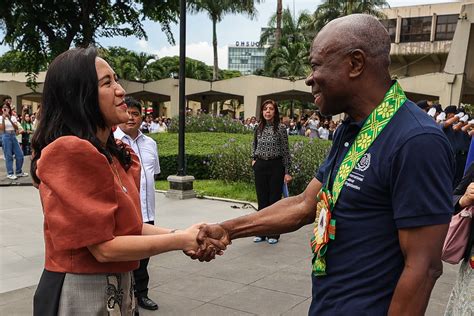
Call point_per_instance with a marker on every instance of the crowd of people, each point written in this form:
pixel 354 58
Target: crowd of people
pixel 385 256
pixel 458 127
pixel 312 125
pixel 157 124
pixel 16 131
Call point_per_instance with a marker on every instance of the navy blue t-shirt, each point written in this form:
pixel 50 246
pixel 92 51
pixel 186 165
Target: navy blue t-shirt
pixel 404 180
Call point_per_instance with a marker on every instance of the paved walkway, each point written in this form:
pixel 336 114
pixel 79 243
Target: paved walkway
pixel 250 279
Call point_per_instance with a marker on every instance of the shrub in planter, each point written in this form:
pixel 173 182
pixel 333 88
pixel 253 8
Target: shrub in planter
pixel 306 157
pixel 199 148
pixel 209 123
pixel 196 165
pixel 233 162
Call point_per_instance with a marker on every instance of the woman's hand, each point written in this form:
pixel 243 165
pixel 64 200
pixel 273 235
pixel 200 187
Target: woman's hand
pixel 189 238
pixel 288 178
pixel 253 162
pixel 468 198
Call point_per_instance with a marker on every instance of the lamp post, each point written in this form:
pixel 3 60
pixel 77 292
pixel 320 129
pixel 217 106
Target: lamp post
pixel 181 185
pixel 182 87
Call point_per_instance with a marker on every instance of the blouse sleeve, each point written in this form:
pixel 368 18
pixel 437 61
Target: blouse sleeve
pixel 78 193
pixel 285 150
pixel 254 144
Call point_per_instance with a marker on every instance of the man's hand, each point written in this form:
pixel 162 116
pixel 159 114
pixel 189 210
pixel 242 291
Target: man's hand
pixel 287 178
pixel 212 240
pixel 468 198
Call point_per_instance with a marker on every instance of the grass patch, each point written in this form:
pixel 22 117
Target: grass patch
pixel 196 143
pixel 217 188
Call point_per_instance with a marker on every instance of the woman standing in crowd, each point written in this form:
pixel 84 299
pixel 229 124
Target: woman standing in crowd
pixel 461 300
pixel 89 189
pixel 271 160
pixel 323 130
pixel 313 124
pixel 9 126
pixel 27 127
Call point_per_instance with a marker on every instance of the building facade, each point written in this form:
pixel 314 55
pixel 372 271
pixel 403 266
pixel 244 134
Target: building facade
pixel 429 55
pixel 246 57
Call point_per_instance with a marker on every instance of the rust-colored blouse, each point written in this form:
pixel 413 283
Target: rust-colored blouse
pixel 84 204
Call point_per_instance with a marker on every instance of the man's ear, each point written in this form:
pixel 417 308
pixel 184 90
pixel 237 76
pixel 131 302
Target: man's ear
pixel 357 63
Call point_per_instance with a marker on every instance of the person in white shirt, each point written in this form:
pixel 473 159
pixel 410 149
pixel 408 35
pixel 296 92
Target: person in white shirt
pixel 8 129
pixel 154 126
pixel 147 152
pixel 162 127
pixel 313 124
pixel 324 130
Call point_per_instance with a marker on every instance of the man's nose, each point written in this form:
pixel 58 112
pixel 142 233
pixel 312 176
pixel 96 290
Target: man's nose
pixel 309 80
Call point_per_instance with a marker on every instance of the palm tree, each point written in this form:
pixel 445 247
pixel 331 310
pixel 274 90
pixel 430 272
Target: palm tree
pixel 138 63
pixel 278 23
pixel 289 59
pixel 216 9
pixel 333 9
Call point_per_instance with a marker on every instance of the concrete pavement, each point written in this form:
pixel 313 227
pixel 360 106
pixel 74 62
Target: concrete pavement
pixel 22 181
pixel 250 279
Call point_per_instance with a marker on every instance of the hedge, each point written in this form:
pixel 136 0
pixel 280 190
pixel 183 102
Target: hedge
pixel 209 123
pixel 226 156
pixel 232 163
pixel 199 147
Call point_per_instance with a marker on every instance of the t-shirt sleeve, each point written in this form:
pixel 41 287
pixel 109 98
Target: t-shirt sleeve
pixel 322 170
pixel 77 192
pixel 421 182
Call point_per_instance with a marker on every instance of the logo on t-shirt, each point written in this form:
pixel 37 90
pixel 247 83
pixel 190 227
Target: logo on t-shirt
pixel 364 162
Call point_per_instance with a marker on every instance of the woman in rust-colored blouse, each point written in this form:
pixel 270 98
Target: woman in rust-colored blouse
pixel 89 189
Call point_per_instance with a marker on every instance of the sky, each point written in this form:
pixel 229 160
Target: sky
pixel 232 28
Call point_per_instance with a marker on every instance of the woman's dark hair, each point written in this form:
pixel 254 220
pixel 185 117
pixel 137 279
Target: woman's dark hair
pixel 276 117
pixel 70 106
pixel 131 102
pixel 8 106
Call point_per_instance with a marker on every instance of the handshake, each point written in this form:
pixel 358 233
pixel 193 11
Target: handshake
pixel 204 241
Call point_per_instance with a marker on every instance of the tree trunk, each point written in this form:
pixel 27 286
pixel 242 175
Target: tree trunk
pixel 215 70
pixel 350 7
pixel 278 26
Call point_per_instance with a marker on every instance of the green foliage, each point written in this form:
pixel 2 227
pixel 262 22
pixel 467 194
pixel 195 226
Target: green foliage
pixel 14 61
pixel 131 65
pixel 242 191
pixel 44 29
pixel 232 162
pixel 209 123
pixel 226 157
pixel 333 9
pixel 469 109
pixel 194 68
pixel 135 66
pixel 228 74
pixel 199 148
pixel 288 59
pixel 306 158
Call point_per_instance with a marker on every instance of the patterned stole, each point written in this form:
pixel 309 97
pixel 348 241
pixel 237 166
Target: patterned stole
pixel 325 226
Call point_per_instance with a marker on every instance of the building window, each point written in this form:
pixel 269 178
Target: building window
pixel 391 26
pixel 445 27
pixel 416 29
